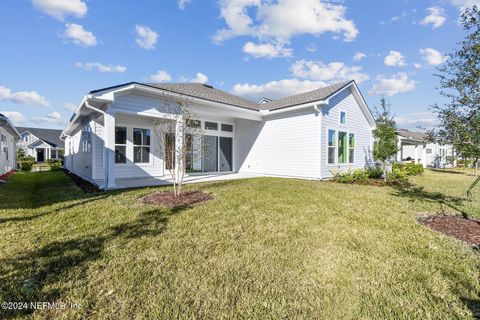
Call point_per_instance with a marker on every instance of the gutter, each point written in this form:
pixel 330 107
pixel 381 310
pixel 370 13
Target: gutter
pixel 316 106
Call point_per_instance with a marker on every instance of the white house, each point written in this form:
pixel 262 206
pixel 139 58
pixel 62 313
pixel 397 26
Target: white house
pixel 413 147
pixel 8 138
pixel 42 144
pixel 112 136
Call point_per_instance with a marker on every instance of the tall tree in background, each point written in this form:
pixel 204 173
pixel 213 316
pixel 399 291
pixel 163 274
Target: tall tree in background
pixel 460 84
pixel 385 146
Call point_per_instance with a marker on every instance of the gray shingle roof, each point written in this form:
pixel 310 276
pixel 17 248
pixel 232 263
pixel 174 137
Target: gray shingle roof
pixel 306 97
pixel 206 92
pixel 50 136
pixel 421 136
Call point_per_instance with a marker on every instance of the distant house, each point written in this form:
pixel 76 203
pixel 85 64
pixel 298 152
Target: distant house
pixel 413 147
pixel 8 138
pixel 42 144
pixel 111 139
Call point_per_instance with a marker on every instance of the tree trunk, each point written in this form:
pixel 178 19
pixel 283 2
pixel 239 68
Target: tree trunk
pixel 384 171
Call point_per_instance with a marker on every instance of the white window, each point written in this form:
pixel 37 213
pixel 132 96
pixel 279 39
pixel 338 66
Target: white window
pixel 351 148
pixel 120 145
pixel 141 145
pixel 343 117
pixel 331 146
pixel 211 125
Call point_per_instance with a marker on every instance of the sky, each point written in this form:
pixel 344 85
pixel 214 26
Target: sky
pixel 55 51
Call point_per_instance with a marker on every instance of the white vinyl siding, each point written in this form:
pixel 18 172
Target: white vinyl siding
pixel 286 145
pixel 356 123
pixel 7 152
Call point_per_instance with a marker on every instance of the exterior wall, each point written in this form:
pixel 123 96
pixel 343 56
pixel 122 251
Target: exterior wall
pixel 7 152
pixel 26 139
pixel 286 145
pixel 356 123
pixel 78 156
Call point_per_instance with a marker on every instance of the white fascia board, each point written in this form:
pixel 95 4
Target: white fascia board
pixel 363 104
pixel 318 103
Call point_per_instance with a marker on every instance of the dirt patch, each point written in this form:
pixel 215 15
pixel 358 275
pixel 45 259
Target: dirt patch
pixel 185 199
pixel 83 184
pixel 467 230
pixel 6 176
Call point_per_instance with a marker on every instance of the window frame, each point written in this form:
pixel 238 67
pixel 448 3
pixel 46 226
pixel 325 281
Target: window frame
pixel 122 145
pixel 349 147
pixel 335 142
pixel 337 145
pixel 149 146
pixel 340 117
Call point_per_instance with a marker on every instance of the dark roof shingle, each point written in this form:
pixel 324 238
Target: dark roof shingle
pixel 50 136
pixel 421 136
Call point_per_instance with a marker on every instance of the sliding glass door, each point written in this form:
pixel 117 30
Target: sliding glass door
pixel 210 154
pixel 225 154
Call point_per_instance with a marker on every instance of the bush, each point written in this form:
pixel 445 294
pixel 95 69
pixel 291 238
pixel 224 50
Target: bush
pixel 350 176
pixel 53 162
pixel 409 169
pixel 397 174
pixel 56 166
pixel 375 173
pixel 26 163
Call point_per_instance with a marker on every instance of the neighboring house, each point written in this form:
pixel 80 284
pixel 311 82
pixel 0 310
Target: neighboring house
pixel 412 147
pixel 42 144
pixel 112 135
pixel 8 138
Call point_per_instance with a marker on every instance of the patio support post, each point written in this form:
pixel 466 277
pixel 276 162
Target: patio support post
pixel 109 150
pixel 424 155
pixel 416 154
pixel 179 158
pixel 400 151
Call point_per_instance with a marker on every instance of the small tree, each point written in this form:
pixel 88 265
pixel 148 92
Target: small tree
pixel 177 132
pixel 385 146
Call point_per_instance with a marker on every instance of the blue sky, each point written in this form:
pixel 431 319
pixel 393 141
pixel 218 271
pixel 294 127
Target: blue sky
pixel 55 51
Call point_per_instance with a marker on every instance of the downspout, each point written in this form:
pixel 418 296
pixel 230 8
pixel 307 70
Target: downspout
pixel 105 162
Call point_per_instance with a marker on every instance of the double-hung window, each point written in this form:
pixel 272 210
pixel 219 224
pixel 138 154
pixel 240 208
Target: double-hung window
pixel 120 145
pixel 141 145
pixel 331 146
pixel 351 148
pixel 342 147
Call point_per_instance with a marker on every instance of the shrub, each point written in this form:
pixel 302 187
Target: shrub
pixel 52 162
pixel 397 175
pixel 350 176
pixel 375 173
pixel 409 169
pixel 56 166
pixel 26 163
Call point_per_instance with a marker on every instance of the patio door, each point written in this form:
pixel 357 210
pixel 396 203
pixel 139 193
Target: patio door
pixel 225 154
pixel 210 156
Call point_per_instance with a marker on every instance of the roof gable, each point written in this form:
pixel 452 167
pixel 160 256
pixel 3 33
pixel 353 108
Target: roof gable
pixel 49 136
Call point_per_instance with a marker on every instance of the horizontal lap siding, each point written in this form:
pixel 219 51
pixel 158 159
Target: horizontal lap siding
pixel 98 171
pixel 356 123
pixel 81 159
pixel 287 145
pixel 7 165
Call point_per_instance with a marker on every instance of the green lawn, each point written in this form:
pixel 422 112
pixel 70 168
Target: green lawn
pixel 263 249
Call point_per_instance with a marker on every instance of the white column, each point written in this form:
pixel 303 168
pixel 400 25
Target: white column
pixel 416 154
pixel 109 150
pixel 400 151
pixel 424 155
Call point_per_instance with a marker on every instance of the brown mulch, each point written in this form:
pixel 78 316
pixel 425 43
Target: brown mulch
pixel 83 184
pixel 185 199
pixel 467 230
pixel 6 176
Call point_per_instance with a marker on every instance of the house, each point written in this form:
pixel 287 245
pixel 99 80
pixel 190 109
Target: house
pixel 42 144
pixel 413 146
pixel 112 136
pixel 8 138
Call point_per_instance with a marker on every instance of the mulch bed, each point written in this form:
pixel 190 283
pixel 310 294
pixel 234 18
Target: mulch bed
pixel 169 200
pixel 467 230
pixel 83 184
pixel 6 176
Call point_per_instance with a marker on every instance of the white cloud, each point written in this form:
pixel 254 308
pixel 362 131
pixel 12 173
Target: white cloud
pixel 395 58
pixel 183 3
pixel 79 36
pixel 280 20
pixel 464 4
pixel 266 50
pixel 390 86
pixel 417 65
pixel 436 17
pixel 199 78
pixel 276 89
pixel 332 72
pixel 54 118
pixel 161 76
pixel 312 47
pixel 23 97
pixel 146 37
pixel 359 56
pixel 414 120
pixel 100 67
pixel 59 9
pixel 16 117
pixel 70 106
pixel 432 56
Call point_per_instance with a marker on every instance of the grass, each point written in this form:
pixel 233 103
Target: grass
pixel 264 248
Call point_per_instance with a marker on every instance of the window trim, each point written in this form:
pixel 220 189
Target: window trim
pixel 141 146
pixel 122 145
pixel 340 117
pixel 336 163
pixel 335 143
